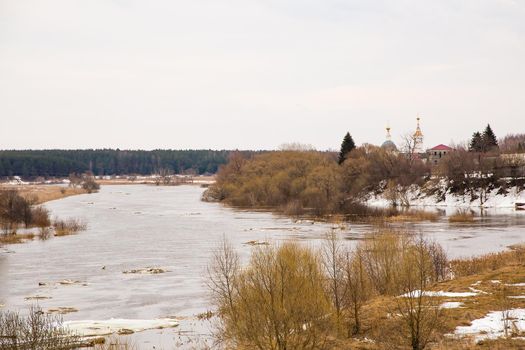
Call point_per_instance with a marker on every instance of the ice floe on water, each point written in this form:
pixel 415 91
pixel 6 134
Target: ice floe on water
pixel 146 271
pixel 62 310
pixel 89 328
pixel 417 293
pixel 492 326
pixel 37 297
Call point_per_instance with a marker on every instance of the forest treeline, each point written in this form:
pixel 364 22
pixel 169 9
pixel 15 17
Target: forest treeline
pixel 58 163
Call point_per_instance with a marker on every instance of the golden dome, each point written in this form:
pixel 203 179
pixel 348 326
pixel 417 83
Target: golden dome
pixel 418 132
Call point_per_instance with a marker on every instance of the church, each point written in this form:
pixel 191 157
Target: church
pixel 416 146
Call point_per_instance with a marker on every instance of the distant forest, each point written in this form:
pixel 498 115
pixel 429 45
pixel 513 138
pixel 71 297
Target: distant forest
pixel 57 163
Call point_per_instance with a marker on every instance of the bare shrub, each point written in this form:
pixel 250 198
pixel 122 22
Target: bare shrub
pixel 223 272
pixel 382 256
pixel 115 343
pixel 36 331
pixel 413 215
pixel 40 217
pixel 44 233
pixel 69 226
pixel 279 301
pixel 75 180
pixel 440 262
pixel 420 313
pixel 332 259
pixel 461 215
pixel 90 185
pixel 14 210
pixel 358 288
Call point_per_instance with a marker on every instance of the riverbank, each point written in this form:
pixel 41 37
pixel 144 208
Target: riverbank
pixel 42 193
pixel 482 308
pixel 441 195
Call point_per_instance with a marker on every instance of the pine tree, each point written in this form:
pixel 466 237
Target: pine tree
pixel 489 139
pixel 476 143
pixel 346 146
pixel 520 147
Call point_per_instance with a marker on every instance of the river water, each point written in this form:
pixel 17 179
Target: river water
pixel 138 226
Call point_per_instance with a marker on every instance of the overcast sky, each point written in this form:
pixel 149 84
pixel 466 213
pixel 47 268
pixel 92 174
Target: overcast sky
pixel 253 74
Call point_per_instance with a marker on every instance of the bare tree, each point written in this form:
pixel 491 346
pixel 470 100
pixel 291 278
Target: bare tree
pixel 358 287
pixel 75 180
pixel 278 301
pixel 408 146
pixel 419 311
pixel 222 273
pixel 333 263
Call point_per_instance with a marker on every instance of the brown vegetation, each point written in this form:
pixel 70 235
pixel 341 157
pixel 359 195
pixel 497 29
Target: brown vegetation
pixel 68 227
pixel 294 297
pixel 487 263
pixel 17 210
pixel 413 215
pixel 367 297
pixel 461 216
pixel 309 181
pixel 37 330
pixel 38 194
pixel 16 238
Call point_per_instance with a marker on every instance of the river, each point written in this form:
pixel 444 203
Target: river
pixel 138 226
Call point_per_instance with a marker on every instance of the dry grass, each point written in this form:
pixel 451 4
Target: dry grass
pixel 16 238
pixel 488 262
pixel 114 343
pixel 68 227
pixel 461 216
pixel 414 215
pixel 385 329
pixel 39 194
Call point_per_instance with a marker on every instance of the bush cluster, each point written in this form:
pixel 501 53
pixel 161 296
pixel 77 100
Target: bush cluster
pixel 17 210
pixel 298 181
pixel 294 297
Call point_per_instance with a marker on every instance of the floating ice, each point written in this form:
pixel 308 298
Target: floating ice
pixel 89 328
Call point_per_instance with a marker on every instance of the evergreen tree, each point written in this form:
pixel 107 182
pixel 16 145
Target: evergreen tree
pixel 520 147
pixel 489 139
pixel 346 146
pixel 476 143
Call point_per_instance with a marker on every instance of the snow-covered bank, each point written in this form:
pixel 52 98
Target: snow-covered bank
pixel 442 197
pixel 90 328
pixel 493 325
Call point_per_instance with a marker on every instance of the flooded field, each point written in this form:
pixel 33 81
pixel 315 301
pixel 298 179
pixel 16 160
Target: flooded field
pixel 144 256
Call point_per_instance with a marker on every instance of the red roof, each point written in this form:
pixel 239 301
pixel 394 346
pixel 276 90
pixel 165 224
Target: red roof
pixel 442 147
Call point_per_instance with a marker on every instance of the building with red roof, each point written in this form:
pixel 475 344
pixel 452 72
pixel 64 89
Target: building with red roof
pixel 436 153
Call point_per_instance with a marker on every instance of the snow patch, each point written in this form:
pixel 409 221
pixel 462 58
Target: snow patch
pixel 515 285
pixel 415 196
pixel 451 305
pixel 417 293
pixel 492 326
